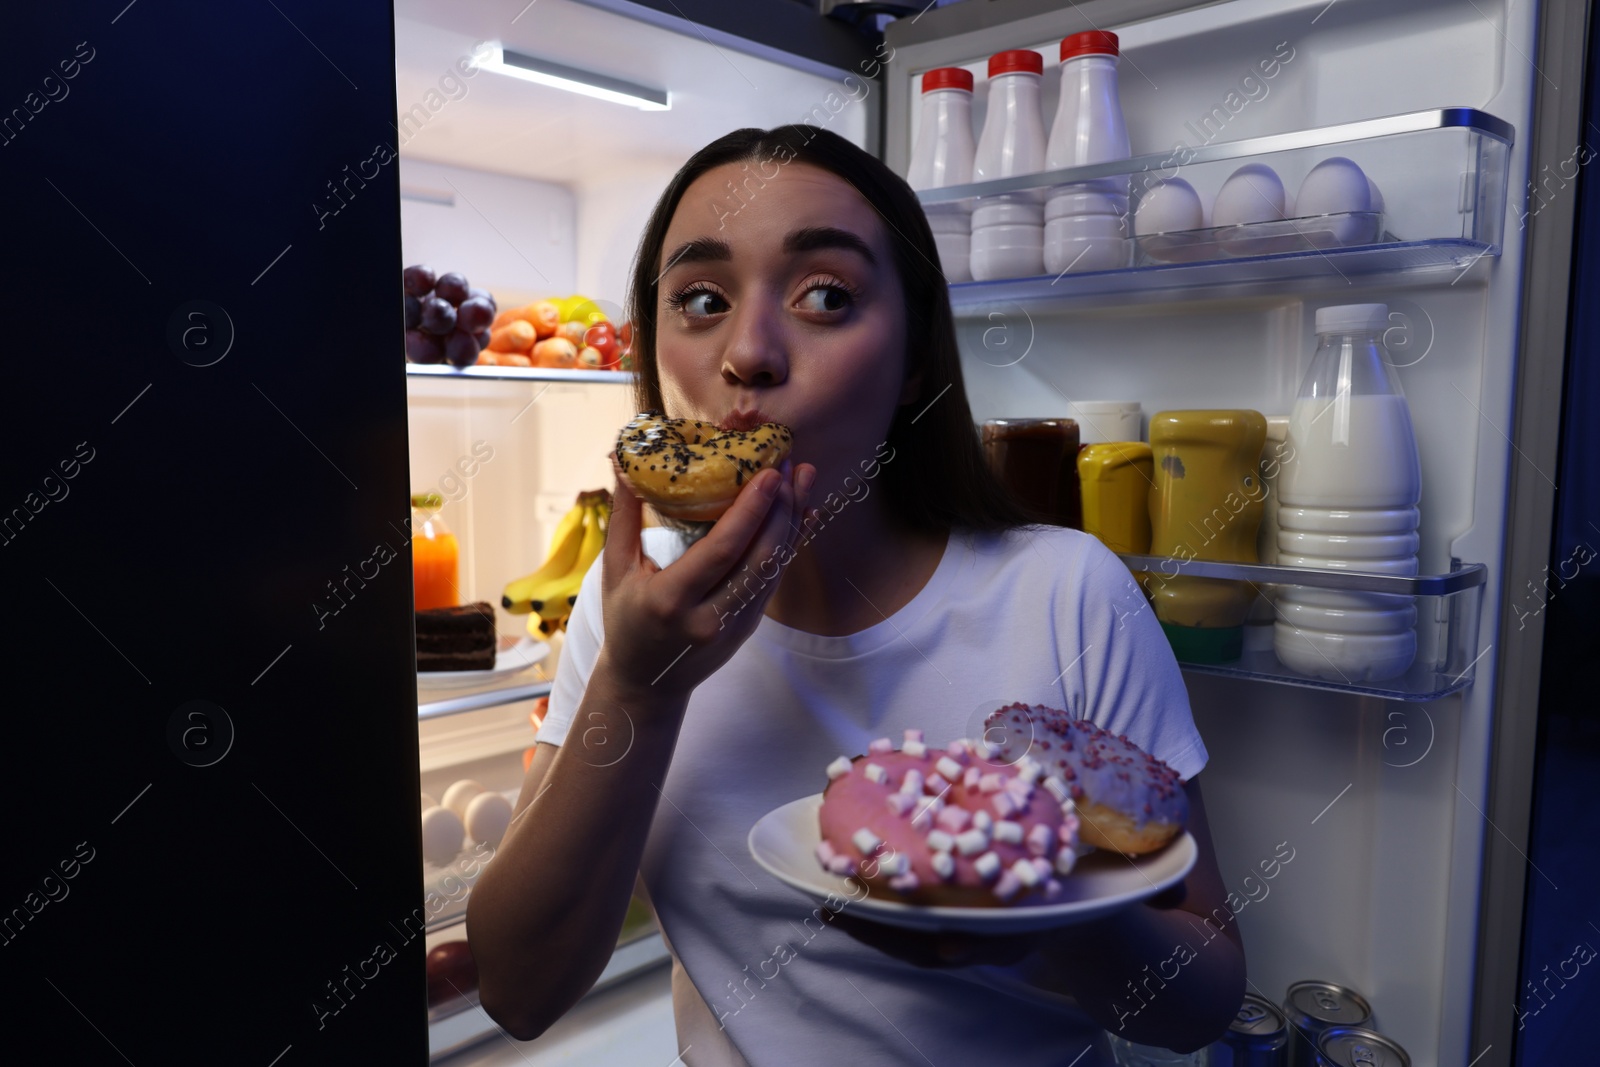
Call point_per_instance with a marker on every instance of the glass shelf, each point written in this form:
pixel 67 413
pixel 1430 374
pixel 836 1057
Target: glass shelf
pixel 1448 608
pixel 487 698
pixel 1444 257
pixel 1441 174
pixel 519 374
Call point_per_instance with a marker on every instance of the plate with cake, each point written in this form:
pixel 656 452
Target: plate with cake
pixel 458 647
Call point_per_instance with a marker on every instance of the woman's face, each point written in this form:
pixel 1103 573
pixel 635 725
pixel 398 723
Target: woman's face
pixel 783 305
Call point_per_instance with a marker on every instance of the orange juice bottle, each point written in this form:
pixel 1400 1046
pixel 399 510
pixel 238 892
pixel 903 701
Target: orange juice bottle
pixel 434 555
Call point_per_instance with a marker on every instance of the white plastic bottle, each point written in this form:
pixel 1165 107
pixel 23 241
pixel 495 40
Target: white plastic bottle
pixel 943 156
pixel 1086 224
pixel 1348 493
pixel 1008 230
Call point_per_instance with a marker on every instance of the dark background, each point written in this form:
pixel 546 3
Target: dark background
pixel 228 879
pixel 1559 913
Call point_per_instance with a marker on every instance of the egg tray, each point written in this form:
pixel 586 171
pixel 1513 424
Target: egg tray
pixel 1311 233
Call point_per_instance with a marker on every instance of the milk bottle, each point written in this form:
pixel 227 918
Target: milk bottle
pixel 943 156
pixel 1008 230
pixel 1085 224
pixel 1348 494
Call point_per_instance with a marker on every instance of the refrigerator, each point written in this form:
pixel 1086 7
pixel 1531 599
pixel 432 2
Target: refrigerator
pixel 239 213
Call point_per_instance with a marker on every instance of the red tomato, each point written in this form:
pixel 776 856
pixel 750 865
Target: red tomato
pixel 451 972
pixel 603 338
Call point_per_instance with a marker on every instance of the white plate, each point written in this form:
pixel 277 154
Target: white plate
pixel 508 662
pixel 784 841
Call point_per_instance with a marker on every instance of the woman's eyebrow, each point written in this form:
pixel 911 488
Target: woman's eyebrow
pixel 699 250
pixel 814 237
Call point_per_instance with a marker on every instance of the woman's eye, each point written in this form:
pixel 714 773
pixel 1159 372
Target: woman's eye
pixel 704 303
pixel 697 302
pixel 825 298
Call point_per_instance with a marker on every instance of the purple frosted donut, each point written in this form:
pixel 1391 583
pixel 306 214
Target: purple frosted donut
pixel 1128 800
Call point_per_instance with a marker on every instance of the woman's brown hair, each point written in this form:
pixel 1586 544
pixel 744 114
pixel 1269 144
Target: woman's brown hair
pixel 939 480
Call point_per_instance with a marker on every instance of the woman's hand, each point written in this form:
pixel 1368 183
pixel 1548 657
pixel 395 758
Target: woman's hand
pixel 667 630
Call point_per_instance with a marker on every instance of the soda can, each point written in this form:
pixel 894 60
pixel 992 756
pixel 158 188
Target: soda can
pixel 1313 1007
pixel 1355 1046
pixel 1258 1037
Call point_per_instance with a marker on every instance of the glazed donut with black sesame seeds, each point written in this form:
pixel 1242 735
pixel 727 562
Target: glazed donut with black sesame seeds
pixel 690 470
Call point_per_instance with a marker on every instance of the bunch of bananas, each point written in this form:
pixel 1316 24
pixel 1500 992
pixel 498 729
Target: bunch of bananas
pixel 548 593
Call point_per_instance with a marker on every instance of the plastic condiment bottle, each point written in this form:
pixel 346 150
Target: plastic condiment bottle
pixel 1008 230
pixel 1348 495
pixel 1205 504
pixel 943 155
pixel 434 555
pixel 1086 224
pixel 1116 478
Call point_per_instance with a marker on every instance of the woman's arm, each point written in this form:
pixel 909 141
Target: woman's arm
pixel 1170 976
pixel 545 914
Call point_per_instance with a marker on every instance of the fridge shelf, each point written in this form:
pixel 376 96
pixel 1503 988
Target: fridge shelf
pixel 452 1027
pixel 1440 175
pixel 519 374
pixel 1448 607
pixel 487 698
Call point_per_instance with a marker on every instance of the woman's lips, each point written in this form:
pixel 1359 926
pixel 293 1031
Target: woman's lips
pixel 745 420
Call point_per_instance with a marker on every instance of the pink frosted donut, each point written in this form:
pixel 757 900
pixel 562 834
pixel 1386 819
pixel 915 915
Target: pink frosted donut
pixel 1128 800
pixel 945 826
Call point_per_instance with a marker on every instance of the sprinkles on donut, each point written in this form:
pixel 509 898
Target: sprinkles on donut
pixel 947 826
pixel 690 470
pixel 1128 800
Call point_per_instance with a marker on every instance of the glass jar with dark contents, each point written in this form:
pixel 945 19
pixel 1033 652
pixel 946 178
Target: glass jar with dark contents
pixel 1037 460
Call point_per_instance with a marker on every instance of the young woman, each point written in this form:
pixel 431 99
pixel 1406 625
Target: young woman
pixel 883 581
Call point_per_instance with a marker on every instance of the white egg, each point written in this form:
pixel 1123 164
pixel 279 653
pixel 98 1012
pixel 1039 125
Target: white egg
pixel 1335 185
pixel 487 817
pixel 1253 193
pixel 1332 194
pixel 459 795
pixel 441 836
pixel 428 802
pixel 1166 207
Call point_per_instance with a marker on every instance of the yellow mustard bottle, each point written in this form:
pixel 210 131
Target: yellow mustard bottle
pixel 1116 478
pixel 1206 503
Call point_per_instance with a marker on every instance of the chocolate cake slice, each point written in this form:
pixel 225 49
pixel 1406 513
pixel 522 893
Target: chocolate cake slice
pixel 456 639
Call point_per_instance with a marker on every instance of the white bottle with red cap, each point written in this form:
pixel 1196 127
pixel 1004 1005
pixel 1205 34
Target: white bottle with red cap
pixel 1086 225
pixel 1008 230
pixel 943 155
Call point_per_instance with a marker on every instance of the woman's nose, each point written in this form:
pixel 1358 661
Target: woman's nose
pixel 756 354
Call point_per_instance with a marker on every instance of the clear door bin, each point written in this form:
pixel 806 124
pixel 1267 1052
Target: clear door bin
pixel 1447 610
pixel 1416 193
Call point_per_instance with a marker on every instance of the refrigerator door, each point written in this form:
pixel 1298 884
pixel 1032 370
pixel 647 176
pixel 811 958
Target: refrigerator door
pixel 1389 804
pixel 212 714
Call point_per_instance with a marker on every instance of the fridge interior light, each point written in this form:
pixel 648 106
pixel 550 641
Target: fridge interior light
pixel 501 60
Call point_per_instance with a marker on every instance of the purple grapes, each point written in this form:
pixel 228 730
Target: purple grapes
pixel 438 317
pixel 452 287
pixel 421 348
pixel 461 349
pixel 413 312
pixel 418 281
pixel 474 315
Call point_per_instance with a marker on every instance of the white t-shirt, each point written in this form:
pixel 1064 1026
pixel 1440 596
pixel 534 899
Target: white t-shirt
pixel 1040 615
